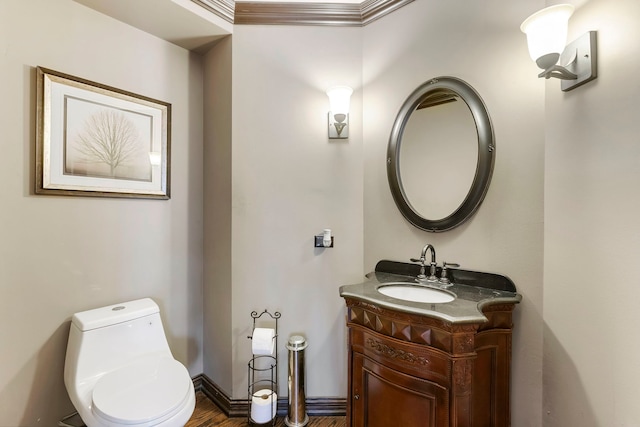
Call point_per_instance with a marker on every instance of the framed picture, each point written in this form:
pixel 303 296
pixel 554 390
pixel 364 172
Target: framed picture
pixel 96 140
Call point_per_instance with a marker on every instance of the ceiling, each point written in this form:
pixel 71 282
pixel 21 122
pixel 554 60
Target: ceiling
pixel 196 24
pixel 180 22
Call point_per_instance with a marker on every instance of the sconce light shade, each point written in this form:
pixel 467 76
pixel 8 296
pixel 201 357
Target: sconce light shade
pixel 546 32
pixel 339 99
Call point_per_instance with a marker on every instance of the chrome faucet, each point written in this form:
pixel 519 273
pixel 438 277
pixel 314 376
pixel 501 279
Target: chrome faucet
pixel 423 261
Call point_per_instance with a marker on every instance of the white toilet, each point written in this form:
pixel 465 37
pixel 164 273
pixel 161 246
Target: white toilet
pixel 119 370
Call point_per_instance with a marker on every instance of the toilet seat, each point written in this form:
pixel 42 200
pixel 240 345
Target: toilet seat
pixel 143 393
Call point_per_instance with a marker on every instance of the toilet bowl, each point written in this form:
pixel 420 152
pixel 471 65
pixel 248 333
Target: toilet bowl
pixel 119 370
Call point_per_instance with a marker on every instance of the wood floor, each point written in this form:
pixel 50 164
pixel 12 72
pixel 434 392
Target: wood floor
pixel 208 414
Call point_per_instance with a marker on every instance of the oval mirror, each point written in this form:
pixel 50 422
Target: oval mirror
pixel 441 154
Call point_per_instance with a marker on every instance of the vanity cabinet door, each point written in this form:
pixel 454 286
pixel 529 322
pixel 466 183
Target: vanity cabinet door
pixel 384 397
pixel 491 379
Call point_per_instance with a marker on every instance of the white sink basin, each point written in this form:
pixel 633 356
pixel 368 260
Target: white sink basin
pixel 414 293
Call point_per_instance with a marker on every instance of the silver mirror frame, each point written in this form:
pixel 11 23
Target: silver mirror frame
pixel 486 154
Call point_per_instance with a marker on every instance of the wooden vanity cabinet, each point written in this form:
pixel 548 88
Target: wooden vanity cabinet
pixel 408 370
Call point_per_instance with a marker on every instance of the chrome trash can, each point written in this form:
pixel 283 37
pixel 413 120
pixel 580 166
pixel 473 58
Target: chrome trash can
pixel 296 414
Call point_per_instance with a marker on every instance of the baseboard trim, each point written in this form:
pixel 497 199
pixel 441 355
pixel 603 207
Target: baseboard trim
pixel 316 406
pixel 213 392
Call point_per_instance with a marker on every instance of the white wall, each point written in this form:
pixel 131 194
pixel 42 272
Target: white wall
pixel 469 40
pixel 60 255
pixel 592 232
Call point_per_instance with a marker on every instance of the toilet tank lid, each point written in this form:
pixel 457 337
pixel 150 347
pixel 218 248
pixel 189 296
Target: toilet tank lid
pixel 114 314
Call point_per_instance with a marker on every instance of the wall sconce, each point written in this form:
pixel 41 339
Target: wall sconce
pixel 339 98
pixel 546 32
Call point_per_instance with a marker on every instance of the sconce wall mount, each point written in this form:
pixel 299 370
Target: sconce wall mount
pixel 546 32
pixel 338 125
pixel 581 58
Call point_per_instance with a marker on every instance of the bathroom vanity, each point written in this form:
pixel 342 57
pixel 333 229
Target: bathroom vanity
pixel 429 364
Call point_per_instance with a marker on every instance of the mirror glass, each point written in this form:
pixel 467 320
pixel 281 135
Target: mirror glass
pixel 446 133
pixel 441 154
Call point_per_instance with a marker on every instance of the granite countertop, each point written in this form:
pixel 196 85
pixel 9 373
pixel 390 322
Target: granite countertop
pixel 465 308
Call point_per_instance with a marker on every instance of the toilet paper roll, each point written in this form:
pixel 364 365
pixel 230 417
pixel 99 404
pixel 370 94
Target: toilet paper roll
pixel 326 238
pixel 262 341
pixel 264 404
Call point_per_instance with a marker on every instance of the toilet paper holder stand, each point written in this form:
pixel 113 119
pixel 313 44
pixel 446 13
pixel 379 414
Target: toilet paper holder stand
pixel 262 370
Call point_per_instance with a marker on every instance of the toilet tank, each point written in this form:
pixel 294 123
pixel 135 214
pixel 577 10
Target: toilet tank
pixel 107 338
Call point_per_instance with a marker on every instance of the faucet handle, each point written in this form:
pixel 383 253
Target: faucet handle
pixel 421 275
pixel 443 275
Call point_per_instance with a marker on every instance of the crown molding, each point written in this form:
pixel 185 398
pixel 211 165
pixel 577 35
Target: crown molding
pixel 301 13
pixel 376 9
pixel 298 13
pixel 222 8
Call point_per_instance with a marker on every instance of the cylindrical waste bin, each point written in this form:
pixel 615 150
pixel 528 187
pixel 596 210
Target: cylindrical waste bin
pixel 296 415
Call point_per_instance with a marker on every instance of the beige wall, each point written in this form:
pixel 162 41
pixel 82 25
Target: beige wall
pixel 274 180
pixel 591 369
pixel 471 41
pixel 289 181
pixel 60 255
pixel 217 355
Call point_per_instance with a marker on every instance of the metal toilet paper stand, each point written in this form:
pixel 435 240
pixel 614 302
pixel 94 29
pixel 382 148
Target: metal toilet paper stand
pixel 263 371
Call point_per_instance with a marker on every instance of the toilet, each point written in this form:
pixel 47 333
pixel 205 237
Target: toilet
pixel 119 370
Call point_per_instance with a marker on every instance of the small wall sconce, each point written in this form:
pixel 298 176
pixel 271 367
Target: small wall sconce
pixel 339 98
pixel 546 32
